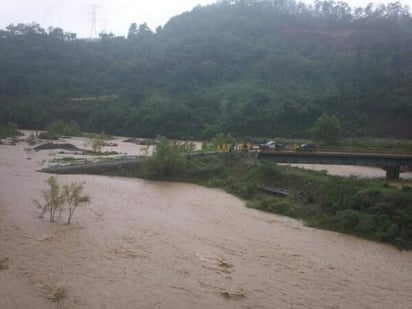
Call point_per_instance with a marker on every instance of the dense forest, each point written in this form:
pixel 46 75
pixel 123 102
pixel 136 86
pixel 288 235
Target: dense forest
pixel 246 67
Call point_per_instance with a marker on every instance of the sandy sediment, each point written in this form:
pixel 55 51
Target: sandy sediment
pixel 142 244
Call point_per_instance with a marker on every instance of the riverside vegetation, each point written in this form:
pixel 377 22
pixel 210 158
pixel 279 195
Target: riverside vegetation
pixel 371 209
pixel 367 208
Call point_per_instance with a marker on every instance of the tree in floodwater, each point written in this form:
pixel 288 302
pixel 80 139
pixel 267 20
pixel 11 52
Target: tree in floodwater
pixel 73 198
pixel 53 199
pixel 98 142
pixel 59 199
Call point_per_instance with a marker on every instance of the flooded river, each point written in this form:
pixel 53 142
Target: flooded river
pixel 367 172
pixel 143 244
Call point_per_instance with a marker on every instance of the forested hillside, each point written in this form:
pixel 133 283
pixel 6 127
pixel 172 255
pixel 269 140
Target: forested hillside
pixel 246 67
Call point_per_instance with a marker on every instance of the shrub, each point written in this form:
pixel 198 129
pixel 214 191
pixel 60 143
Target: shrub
pixel 281 206
pixel 4 263
pixel 53 199
pixel 97 142
pixel 61 128
pixel 168 158
pixel 32 139
pixel 72 194
pixel 222 139
pixel 8 130
pixel 353 221
pixel 327 130
pixel 57 199
pixel 57 297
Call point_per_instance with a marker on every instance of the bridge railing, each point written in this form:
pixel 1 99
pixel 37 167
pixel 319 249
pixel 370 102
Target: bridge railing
pixel 352 149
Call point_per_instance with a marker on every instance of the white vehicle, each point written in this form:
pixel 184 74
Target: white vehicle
pixel 271 145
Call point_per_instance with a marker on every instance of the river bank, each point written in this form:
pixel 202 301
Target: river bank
pixel 144 244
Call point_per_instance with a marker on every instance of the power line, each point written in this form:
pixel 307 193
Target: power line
pixel 93 18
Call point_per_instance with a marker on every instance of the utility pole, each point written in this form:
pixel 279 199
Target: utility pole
pixel 93 18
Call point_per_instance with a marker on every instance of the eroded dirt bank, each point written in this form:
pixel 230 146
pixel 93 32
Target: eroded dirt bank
pixel 143 244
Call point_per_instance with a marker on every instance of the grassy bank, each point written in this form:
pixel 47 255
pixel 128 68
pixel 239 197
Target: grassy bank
pixel 367 208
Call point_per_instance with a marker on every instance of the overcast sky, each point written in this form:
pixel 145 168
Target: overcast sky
pixel 111 15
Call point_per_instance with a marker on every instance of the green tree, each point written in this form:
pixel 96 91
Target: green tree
pixel 223 139
pixel 72 194
pixel 53 199
pixel 62 128
pixel 9 130
pixel 168 158
pixel 32 139
pixel 327 130
pixel 59 199
pixel 97 142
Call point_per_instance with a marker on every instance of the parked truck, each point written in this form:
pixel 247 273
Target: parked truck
pixel 271 145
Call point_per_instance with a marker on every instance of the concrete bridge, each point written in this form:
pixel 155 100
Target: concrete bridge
pixel 391 163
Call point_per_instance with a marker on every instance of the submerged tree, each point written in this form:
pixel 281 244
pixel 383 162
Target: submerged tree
pixel 53 199
pixel 73 197
pixel 58 199
pixel 98 142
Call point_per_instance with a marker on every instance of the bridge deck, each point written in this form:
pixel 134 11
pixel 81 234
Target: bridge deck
pixel 390 162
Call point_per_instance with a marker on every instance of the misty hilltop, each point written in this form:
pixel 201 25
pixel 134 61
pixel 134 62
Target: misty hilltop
pixel 246 67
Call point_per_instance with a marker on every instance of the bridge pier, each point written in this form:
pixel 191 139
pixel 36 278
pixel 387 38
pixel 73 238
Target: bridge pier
pixel 392 172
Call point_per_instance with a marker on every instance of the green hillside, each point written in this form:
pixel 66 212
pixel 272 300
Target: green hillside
pixel 249 68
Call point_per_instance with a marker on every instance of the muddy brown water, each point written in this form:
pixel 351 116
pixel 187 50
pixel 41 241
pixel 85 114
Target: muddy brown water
pixel 353 171
pixel 143 244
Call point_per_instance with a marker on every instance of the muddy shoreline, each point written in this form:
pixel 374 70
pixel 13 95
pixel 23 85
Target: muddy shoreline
pixel 143 244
